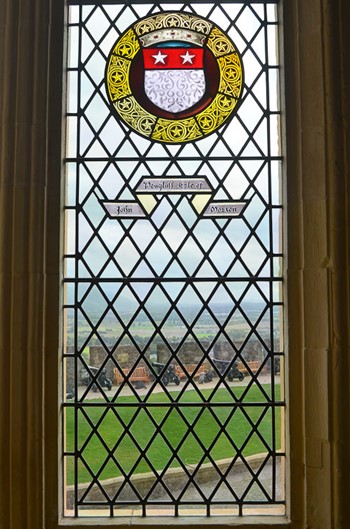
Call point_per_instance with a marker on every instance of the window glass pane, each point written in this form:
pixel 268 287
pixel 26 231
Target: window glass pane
pixel 173 304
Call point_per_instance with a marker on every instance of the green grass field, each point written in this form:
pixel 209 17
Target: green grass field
pixel 117 427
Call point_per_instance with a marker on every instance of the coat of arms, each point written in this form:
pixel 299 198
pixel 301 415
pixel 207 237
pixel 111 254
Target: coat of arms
pixel 174 77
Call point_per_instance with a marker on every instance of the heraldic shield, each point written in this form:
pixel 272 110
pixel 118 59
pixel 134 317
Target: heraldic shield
pixel 174 78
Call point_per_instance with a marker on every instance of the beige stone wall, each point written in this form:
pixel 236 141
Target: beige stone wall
pixel 317 126
pixel 30 117
pixel 318 271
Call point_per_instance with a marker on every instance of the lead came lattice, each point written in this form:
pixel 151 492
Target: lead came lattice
pixel 173 349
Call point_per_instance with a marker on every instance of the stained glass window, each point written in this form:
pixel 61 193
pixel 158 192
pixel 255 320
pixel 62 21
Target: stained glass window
pixel 173 355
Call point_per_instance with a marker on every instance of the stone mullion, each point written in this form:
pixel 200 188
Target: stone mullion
pixel 22 265
pixel 318 211
pixel 338 164
pixel 295 256
pixel 315 273
pixel 8 140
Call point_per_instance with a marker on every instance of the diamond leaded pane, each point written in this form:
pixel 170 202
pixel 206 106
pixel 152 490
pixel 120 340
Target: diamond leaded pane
pixel 173 309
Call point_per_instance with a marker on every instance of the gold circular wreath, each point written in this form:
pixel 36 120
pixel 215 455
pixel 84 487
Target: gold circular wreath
pixel 133 109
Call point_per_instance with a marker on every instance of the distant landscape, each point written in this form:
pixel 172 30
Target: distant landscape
pixel 144 323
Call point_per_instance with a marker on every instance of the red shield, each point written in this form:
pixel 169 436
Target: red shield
pixel 174 77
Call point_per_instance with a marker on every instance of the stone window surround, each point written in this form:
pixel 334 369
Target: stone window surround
pixel 317 87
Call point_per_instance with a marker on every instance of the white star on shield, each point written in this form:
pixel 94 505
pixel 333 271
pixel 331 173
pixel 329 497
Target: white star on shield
pixel 187 58
pixel 159 58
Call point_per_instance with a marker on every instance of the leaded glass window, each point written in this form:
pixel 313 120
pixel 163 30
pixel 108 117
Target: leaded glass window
pixel 173 354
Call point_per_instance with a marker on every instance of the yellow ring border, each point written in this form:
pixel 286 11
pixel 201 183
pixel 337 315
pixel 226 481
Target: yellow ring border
pixel 180 130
